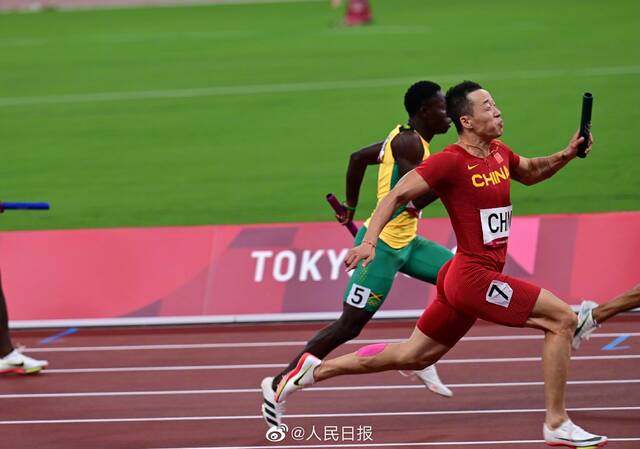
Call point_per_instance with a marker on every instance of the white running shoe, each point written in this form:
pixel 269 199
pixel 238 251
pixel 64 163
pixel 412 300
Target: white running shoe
pixel 586 323
pixel 429 377
pixel 272 411
pixel 570 435
pixel 17 362
pixel 300 377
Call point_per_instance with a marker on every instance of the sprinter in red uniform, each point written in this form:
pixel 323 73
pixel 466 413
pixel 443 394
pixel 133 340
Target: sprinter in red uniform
pixel 472 178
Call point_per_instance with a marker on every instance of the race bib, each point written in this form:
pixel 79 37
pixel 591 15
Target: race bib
pixel 499 293
pixel 358 296
pixel 496 224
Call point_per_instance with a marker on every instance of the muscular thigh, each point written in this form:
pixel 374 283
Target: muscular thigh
pixel 490 295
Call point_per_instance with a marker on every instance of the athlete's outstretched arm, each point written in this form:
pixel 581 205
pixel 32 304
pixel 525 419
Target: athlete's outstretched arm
pixel 533 170
pixel 358 162
pixel 408 188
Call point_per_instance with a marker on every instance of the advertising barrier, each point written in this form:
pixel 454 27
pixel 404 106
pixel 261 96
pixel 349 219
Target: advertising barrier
pixel 277 271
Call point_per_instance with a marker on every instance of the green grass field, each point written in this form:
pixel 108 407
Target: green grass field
pixel 247 113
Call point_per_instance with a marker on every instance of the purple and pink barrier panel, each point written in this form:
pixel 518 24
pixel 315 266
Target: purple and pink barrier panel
pixel 277 272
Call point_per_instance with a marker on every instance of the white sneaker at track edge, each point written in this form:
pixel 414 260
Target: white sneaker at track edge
pixel 17 362
pixel 570 435
pixel 429 377
pixel 272 411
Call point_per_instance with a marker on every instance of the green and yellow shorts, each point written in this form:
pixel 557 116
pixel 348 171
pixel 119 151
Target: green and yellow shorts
pixel 368 287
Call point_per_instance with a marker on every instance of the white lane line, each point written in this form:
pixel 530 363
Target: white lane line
pixel 127 38
pixel 162 368
pixel 413 444
pixel 311 390
pixel 316 416
pixel 252 89
pixel 283 365
pixel 70 7
pixel 267 344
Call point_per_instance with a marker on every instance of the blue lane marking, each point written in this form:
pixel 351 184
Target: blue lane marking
pixel 613 346
pixel 58 336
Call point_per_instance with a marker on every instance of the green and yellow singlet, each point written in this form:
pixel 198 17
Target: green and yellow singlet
pixel 403 225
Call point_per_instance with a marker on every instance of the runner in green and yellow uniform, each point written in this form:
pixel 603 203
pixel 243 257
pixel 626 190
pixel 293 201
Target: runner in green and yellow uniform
pixel 399 249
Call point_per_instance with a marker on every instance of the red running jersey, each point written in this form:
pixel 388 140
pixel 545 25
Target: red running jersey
pixel 475 192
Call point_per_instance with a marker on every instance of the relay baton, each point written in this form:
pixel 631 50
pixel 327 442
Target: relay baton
pixel 25 206
pixel 337 207
pixel 585 123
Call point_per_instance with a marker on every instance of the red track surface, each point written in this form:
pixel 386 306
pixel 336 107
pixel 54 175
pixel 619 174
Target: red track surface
pixel 202 400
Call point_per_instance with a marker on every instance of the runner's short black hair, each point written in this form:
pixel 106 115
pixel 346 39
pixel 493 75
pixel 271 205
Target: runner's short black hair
pixel 457 102
pixel 417 94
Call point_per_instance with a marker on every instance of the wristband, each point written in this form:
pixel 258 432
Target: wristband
pixel 346 206
pixel 373 245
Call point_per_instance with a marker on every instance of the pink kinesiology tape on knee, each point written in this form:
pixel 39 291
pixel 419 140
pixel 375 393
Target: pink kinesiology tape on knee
pixel 371 350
